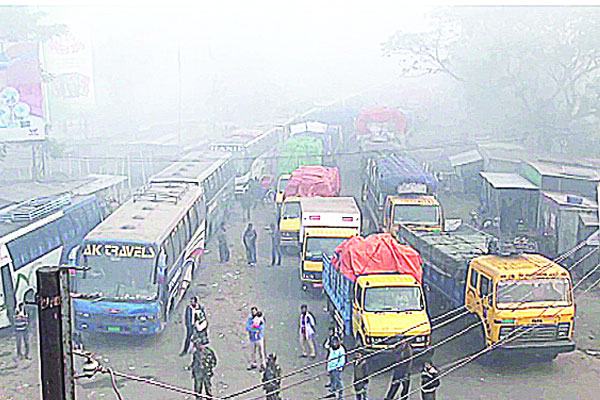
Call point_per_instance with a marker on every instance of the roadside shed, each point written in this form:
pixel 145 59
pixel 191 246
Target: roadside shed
pixel 509 197
pixel 559 219
pixel 467 166
pixel 562 177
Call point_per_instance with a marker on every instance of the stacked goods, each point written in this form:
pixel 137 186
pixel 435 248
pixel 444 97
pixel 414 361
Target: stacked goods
pixel 394 120
pixel 376 254
pixel 313 181
pixel 298 151
pixel 395 170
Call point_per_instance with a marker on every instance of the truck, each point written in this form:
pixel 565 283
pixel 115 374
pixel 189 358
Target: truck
pixel 326 223
pixel 397 191
pixel 306 181
pixel 511 292
pixel 381 124
pixel 374 293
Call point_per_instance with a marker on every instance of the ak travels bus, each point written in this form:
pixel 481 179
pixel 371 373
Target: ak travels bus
pixel 142 258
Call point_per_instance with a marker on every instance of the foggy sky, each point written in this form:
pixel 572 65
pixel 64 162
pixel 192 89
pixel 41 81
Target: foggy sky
pixel 242 63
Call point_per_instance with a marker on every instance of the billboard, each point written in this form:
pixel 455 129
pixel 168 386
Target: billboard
pixel 21 98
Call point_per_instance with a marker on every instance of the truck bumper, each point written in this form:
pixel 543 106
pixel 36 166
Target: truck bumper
pixel 383 359
pixel 539 349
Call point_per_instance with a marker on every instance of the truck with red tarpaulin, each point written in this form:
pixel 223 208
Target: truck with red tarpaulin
pixel 306 181
pixel 374 293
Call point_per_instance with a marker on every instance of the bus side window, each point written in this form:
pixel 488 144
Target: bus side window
pixel 182 233
pixel 485 286
pixel 176 244
pixel 473 281
pixel 194 218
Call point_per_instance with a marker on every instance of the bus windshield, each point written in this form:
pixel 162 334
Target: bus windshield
pixel 291 210
pixel 393 299
pixel 404 214
pixel 116 278
pixel 512 292
pixel 315 247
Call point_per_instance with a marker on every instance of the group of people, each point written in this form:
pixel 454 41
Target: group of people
pixel 249 239
pixel 204 359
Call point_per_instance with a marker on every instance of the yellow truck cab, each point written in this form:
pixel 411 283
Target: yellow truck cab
pixel 388 308
pixel 316 242
pixel 525 301
pixel 289 222
pixel 281 185
pixel 416 212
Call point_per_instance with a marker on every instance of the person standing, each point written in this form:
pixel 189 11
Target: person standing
pixel 272 378
pixel 223 246
pixel 275 234
pixel 22 331
pixel 307 332
pixel 327 344
pixel 249 240
pixel 335 365
pixel 401 373
pixel 204 361
pixel 188 319
pixel 200 323
pixel 256 335
pixel 361 380
pixel 430 381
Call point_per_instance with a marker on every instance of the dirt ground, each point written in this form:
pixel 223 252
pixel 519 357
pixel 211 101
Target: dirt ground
pixel 227 291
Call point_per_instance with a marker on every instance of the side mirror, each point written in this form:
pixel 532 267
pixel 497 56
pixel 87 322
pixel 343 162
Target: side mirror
pixel 451 225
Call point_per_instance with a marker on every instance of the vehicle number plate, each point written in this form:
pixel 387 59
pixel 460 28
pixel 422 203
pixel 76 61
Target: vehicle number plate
pixel 114 329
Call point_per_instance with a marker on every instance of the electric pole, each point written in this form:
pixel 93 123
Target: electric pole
pixel 56 345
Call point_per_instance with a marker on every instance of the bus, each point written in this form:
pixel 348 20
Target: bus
pixel 139 262
pixel 142 258
pixel 214 172
pixel 39 232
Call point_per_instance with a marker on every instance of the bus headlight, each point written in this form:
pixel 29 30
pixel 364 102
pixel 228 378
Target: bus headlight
pixel 144 318
pixel 83 314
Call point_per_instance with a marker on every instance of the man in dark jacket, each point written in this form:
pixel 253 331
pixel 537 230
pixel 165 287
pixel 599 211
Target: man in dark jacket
pixel 249 240
pixel 189 324
pixel 275 234
pixel 401 373
pixel 204 361
pixel 22 331
pixel 429 381
pixel 272 378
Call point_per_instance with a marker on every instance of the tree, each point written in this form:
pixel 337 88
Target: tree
pixel 21 23
pixel 522 68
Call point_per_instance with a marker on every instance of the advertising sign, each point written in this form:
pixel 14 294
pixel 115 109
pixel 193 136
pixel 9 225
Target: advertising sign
pixel 21 98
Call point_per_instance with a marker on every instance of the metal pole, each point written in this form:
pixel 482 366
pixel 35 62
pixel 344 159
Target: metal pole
pixel 56 352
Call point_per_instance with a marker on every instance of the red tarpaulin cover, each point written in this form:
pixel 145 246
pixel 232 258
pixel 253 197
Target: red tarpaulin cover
pixel 381 114
pixel 313 181
pixel 376 254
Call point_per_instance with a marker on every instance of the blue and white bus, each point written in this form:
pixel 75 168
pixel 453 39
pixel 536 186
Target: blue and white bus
pixel 35 233
pixel 214 171
pixel 141 259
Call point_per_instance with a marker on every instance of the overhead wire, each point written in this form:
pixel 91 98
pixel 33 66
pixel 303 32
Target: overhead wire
pixel 406 339
pixel 471 357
